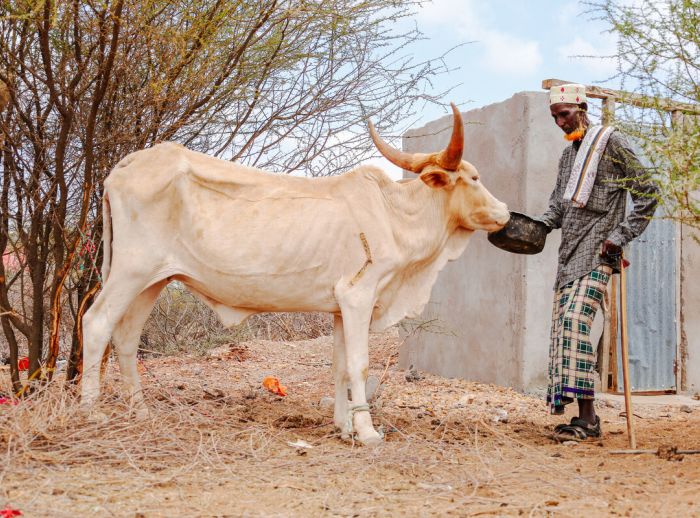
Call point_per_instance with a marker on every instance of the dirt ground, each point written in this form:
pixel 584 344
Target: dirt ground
pixel 217 444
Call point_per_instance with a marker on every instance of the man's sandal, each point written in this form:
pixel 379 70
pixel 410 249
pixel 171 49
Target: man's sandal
pixel 578 430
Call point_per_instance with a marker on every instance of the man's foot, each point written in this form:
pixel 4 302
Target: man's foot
pixel 578 430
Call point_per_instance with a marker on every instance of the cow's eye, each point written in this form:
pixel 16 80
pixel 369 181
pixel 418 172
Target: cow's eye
pixel 475 178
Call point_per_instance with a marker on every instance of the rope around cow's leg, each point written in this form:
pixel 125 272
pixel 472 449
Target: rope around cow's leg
pixel 352 410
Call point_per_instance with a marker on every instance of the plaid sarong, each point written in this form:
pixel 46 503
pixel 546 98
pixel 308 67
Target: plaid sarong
pixel 572 358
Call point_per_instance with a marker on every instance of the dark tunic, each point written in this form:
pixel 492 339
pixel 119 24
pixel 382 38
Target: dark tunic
pixel 583 230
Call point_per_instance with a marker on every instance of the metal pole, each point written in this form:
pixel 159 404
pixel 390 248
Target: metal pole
pixel 625 356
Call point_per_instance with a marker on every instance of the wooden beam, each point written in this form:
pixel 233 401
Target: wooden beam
pixel 642 101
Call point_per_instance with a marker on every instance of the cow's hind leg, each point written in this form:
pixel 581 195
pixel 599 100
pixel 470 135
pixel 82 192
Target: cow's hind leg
pixel 340 376
pixel 357 311
pixel 98 324
pixel 126 337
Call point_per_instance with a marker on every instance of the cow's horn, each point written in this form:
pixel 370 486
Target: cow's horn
pixel 451 157
pixel 413 162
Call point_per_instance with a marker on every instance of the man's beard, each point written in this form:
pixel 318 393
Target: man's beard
pixel 575 135
pixel 578 133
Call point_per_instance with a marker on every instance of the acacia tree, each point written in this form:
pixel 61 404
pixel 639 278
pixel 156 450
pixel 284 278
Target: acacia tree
pixel 271 83
pixel 658 56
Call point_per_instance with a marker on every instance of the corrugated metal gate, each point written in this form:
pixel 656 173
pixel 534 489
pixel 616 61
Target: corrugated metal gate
pixel 651 308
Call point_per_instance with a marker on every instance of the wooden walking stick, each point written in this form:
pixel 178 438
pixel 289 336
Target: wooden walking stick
pixel 625 350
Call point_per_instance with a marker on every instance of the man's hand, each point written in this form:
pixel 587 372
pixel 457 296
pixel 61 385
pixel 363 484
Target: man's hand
pixel 610 251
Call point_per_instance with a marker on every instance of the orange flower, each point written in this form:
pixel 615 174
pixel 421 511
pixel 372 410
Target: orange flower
pixel 272 384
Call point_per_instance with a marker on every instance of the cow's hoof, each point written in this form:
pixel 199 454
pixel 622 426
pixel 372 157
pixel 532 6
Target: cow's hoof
pixel 370 439
pixel 345 434
pixel 86 407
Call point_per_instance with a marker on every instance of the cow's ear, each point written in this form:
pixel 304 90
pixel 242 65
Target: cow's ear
pixel 436 179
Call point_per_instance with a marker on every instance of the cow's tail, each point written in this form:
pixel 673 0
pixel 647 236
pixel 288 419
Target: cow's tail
pixel 106 238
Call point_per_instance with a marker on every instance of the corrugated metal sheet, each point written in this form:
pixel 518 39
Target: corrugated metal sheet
pixel 651 308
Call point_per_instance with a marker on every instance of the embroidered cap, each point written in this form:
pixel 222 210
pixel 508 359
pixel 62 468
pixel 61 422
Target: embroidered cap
pixel 570 93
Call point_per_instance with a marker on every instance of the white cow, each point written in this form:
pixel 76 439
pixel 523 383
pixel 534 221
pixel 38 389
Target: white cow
pixel 360 246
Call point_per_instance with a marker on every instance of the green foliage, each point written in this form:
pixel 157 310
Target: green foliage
pixel 658 56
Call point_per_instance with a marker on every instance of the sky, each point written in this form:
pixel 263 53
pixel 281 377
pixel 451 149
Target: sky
pixel 508 46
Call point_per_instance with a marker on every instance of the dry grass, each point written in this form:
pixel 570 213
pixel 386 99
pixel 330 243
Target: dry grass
pixel 216 444
pixel 186 436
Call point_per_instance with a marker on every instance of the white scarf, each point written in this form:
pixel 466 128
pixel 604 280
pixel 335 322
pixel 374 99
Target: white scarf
pixel 585 167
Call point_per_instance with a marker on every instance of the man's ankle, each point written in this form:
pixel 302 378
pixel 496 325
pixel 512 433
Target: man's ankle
pixel 590 420
pixel 586 411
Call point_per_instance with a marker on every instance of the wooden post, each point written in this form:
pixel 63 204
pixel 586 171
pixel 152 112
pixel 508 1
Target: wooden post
pixel 625 355
pixel 608 110
pixel 676 118
pixel 604 343
pixel 608 341
pixel 612 344
pixel 608 363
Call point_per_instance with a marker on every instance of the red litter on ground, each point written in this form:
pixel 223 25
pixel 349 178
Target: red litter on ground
pixel 23 364
pixel 9 513
pixel 7 401
pixel 272 384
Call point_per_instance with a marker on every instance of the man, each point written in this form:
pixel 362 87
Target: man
pixel 588 204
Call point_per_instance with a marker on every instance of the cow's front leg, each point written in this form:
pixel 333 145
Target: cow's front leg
pixel 340 376
pixel 356 313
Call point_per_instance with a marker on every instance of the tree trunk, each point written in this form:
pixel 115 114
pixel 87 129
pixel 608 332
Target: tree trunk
pixel 36 337
pixel 75 363
pixel 14 357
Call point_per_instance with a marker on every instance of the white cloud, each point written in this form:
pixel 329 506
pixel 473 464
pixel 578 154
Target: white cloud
pixel 507 54
pixel 501 52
